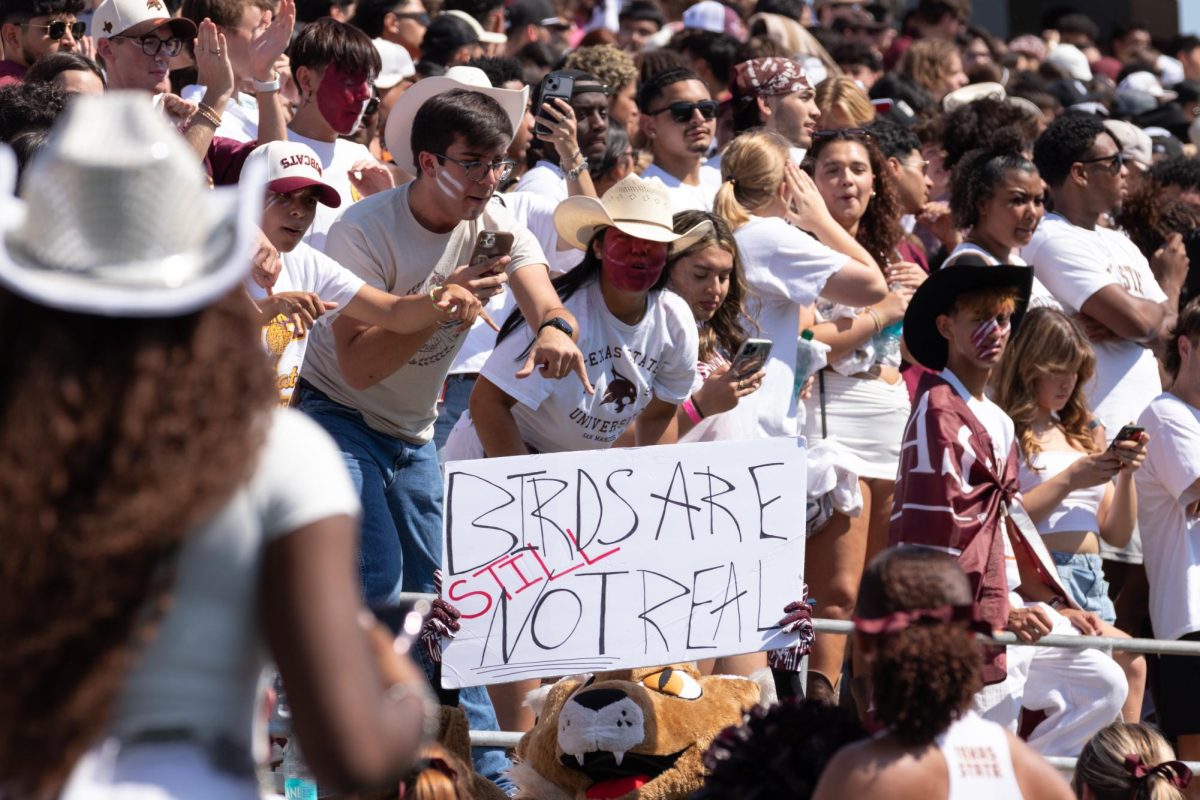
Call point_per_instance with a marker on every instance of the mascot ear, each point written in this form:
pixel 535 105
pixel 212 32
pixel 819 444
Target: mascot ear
pixel 536 699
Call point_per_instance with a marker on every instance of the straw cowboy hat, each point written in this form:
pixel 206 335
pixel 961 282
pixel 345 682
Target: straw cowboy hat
pixel 398 135
pixel 640 208
pixel 116 217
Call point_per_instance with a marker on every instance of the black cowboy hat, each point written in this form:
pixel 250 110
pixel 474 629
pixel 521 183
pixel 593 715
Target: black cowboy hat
pixel 938 293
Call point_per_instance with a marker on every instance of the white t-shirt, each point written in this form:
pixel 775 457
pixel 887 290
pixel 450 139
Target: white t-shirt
pixel 379 240
pixel 304 270
pixel 1170 538
pixel 684 196
pixel 628 365
pixel 201 669
pixel 1040 297
pixel 1075 263
pixel 545 179
pixel 240 119
pixel 336 159
pixel 785 269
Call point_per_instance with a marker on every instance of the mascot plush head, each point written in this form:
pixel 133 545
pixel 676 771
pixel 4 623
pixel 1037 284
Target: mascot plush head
pixel 629 735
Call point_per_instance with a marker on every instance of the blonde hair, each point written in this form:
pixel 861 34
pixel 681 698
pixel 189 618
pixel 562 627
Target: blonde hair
pixel 926 60
pixel 1047 341
pixel 1101 765
pixel 438 775
pixel 844 95
pixel 751 173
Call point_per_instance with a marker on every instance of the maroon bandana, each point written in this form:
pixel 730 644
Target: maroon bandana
pixel 768 77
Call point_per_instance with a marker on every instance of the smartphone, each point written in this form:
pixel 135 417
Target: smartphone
pixel 489 245
pixel 404 618
pixel 555 84
pixel 1127 433
pixel 751 357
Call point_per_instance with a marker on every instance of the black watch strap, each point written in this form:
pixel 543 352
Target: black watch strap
pixel 559 324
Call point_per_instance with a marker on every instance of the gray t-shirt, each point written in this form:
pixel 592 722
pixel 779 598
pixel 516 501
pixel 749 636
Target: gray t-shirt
pixel 379 240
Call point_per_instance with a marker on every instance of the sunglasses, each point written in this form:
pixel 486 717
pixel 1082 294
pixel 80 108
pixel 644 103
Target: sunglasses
pixel 1117 159
pixel 683 111
pixel 151 45
pixel 372 106
pixel 58 28
pixel 419 17
pixel 831 133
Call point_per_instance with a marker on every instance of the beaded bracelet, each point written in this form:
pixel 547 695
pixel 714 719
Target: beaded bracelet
pixel 209 114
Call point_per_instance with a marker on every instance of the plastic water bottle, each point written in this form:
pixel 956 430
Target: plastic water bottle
pixel 887 341
pixel 808 360
pixel 298 780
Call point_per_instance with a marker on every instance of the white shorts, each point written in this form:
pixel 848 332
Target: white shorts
pixel 867 416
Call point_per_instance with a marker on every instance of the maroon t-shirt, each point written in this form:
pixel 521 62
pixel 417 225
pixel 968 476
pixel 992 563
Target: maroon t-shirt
pixel 224 160
pixel 11 73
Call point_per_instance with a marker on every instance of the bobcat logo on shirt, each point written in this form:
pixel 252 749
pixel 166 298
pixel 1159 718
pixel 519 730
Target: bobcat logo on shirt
pixel 154 5
pixel 620 392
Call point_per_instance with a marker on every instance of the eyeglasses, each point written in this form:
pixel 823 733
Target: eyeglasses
pixel 152 44
pixel 831 133
pixel 682 111
pixel 478 170
pixel 419 17
pixel 58 28
pixel 372 106
pixel 1117 159
pixel 921 166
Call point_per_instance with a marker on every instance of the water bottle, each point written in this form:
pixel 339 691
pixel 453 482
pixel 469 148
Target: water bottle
pixel 809 359
pixel 887 341
pixel 298 780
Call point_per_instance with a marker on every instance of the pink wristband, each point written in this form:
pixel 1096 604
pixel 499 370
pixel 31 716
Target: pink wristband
pixel 689 408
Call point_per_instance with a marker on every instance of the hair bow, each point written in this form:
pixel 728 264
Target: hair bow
pixel 1176 772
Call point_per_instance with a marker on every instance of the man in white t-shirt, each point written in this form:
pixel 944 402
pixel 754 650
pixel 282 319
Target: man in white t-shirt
pixel 1168 487
pixel 679 117
pixel 376 392
pixel 775 94
pixel 589 101
pixel 1097 273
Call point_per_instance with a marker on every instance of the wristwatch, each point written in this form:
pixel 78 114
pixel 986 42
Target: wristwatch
pixel 263 87
pixel 559 324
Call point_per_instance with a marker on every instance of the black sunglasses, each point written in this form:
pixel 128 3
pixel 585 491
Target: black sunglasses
pixel 683 111
pixel 58 28
pixel 419 17
pixel 1117 159
pixel 830 133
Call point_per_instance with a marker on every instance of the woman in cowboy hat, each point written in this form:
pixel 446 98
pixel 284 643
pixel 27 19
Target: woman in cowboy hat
pixel 164 527
pixel 639 341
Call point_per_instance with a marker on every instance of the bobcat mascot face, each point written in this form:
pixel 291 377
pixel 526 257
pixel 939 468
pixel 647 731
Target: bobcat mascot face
pixel 629 735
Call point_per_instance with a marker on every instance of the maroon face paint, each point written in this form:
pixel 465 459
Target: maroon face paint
pixel 632 264
pixel 342 98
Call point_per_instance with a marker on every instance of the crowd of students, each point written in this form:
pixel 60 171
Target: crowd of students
pixel 480 229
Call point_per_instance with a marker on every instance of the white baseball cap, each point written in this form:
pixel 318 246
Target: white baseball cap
pixel 487 37
pixel 1143 81
pixel 291 166
pixel 1072 59
pixel 136 18
pixel 397 64
pixel 707 15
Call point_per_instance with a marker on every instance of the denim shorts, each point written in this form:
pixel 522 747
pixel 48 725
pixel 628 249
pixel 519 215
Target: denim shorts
pixel 1082 574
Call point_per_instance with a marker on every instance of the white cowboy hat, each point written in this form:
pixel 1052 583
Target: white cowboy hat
pixel 398 135
pixel 116 217
pixel 640 208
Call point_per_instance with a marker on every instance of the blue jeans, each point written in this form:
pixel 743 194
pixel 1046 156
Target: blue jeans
pixel 400 486
pixel 1082 574
pixel 453 405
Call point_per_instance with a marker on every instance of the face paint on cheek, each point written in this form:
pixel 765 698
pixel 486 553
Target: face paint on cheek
pixel 630 264
pixel 983 333
pixel 451 186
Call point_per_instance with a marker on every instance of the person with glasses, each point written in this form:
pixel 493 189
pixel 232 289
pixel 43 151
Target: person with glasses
pixel 31 29
pixel 401 23
pixel 1098 275
pixel 679 118
pixel 375 391
pixel 136 40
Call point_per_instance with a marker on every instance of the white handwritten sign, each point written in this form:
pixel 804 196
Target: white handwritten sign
pixel 612 559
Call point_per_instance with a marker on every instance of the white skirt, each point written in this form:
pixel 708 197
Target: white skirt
pixel 866 416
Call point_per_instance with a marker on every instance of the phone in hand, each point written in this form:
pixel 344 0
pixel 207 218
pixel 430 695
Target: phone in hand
pixel 1128 433
pixel 555 84
pixel 489 245
pixel 751 357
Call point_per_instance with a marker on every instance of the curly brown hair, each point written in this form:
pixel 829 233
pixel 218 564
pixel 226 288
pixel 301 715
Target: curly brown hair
pixel 117 436
pixel 922 676
pixel 879 230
